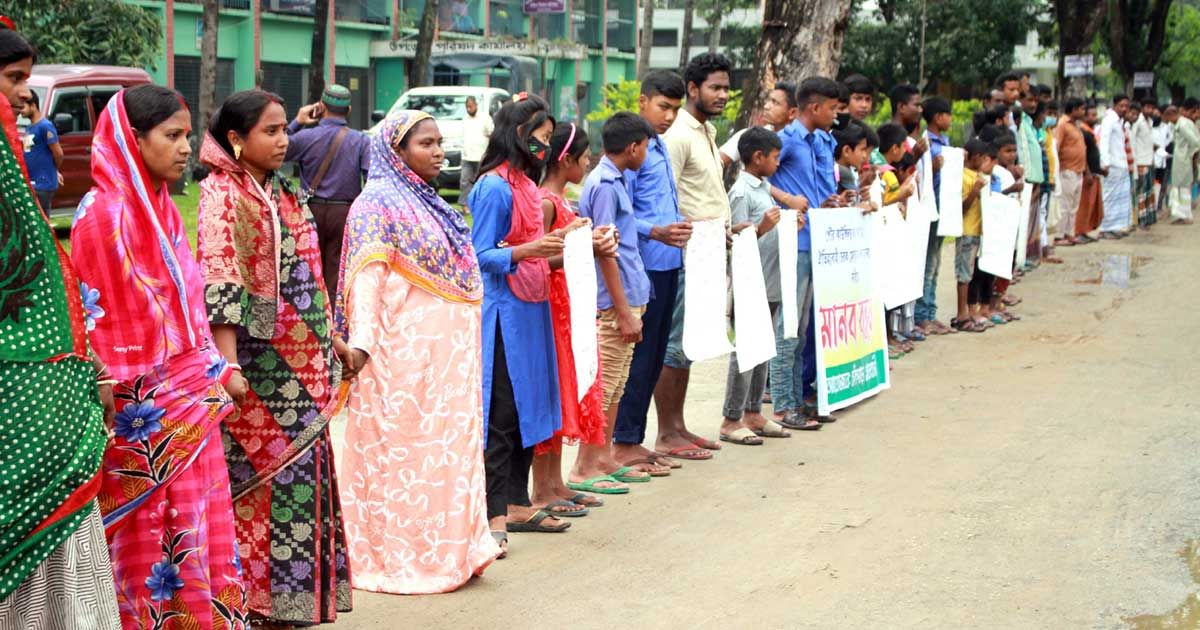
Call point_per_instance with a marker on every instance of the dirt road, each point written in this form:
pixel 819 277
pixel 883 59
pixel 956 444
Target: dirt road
pixel 1040 475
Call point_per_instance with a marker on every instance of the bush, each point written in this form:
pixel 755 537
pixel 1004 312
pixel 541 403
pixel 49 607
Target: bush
pixel 623 97
pixel 960 111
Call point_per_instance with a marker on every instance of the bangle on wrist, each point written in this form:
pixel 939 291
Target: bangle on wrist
pixel 107 381
pixel 235 367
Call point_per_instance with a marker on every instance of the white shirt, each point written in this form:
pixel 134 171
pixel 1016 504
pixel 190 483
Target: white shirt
pixel 476 130
pixel 1112 142
pixel 1163 134
pixel 730 150
pixel 1143 142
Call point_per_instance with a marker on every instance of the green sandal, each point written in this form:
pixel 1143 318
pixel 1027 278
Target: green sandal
pixel 622 475
pixel 589 485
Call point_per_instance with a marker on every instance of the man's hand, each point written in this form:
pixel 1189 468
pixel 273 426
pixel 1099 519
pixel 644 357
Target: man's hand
pixel 630 326
pixel 977 186
pixel 866 177
pixel 310 114
pixel 673 234
pixel 1104 171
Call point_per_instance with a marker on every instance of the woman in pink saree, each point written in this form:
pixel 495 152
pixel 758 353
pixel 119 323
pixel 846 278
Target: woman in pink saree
pixel 165 497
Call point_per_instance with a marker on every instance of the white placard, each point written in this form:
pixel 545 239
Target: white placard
pixel 704 333
pixel 786 231
pixel 1001 217
pixel 753 332
pixel 901 244
pixel 950 222
pixel 579 268
pixel 925 190
pixel 1022 239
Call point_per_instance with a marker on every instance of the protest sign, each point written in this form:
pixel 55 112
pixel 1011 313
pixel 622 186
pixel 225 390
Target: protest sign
pixel 753 330
pixel 704 332
pixel 1001 218
pixel 950 193
pixel 786 230
pixel 580 270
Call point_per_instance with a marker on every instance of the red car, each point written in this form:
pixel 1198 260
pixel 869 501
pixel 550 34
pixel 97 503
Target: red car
pixel 72 97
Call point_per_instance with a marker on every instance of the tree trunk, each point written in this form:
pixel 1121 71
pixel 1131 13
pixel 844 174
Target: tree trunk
pixel 1078 22
pixel 1136 36
pixel 714 32
pixel 647 42
pixel 208 65
pixel 316 71
pixel 685 43
pixel 422 70
pixel 1178 92
pixel 800 38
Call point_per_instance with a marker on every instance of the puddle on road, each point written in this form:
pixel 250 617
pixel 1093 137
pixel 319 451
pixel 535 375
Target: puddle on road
pixel 1185 616
pixel 1116 270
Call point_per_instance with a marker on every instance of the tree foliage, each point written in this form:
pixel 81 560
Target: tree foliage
pixel 107 32
pixel 1179 65
pixel 966 42
pixel 1134 35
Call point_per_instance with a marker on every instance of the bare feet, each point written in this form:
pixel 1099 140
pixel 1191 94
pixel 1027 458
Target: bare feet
pixel 680 446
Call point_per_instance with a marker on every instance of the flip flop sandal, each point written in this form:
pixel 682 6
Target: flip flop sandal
pixel 589 485
pixel 622 474
pixel 580 497
pixel 742 437
pixel 916 335
pixel 570 511
pixel 679 452
pixel 663 460
pixel 772 429
pixel 534 524
pixel 707 444
pixel 792 421
pixel 648 462
pixel 501 538
pixel 998 319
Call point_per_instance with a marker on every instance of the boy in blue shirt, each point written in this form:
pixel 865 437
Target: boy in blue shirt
pixel 43 154
pixel 621 295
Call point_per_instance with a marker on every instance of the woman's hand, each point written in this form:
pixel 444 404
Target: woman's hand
pixel 354 362
pixel 110 406
pixel 238 387
pixel 545 247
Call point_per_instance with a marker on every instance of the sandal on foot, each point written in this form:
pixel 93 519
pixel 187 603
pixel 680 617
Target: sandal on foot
pixel 570 509
pixel 689 452
pixel 622 474
pixel 772 429
pixel 589 485
pixel 534 524
pixel 706 444
pixel 587 500
pixel 997 318
pixel 501 539
pixel 743 437
pixel 663 460
pixel 965 325
pixel 648 461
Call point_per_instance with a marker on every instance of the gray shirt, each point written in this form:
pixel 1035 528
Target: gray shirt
pixel 749 200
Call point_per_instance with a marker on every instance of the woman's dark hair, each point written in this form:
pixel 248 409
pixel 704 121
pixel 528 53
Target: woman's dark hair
pixel 705 64
pixel 509 141
pixel 148 105
pixel 14 47
pixel 757 140
pixel 563 133
pixel 848 138
pixel 890 135
pixel 240 113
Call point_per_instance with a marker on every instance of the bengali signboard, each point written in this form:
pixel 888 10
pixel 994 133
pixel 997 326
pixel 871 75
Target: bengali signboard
pixel 534 7
pixel 852 361
pixel 1078 65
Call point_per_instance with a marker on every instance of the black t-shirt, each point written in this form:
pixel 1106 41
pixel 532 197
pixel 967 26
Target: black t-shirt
pixel 1093 152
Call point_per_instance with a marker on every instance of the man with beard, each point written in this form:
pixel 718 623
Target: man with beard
pixel 691 145
pixel 1114 166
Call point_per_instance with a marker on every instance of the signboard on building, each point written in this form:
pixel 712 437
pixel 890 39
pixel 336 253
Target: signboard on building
pixel 546 49
pixel 1078 65
pixel 1143 79
pixel 533 7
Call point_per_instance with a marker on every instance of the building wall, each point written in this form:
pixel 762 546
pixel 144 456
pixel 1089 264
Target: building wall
pixel 669 22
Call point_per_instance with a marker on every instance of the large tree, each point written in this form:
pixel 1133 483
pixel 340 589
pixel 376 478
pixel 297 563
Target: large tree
pixel 316 68
pixel 1179 65
pixel 800 38
pixel 421 70
pixel 88 31
pixel 647 38
pixel 1135 35
pixel 685 38
pixel 1077 22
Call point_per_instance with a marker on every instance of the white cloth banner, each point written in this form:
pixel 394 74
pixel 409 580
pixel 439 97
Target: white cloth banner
pixel 580 270
pixel 786 231
pixel 1001 216
pixel 704 330
pixel 925 191
pixel 1022 238
pixel 950 193
pixel 898 247
pixel 752 328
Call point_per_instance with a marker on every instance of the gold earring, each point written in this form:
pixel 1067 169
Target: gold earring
pixel 237 152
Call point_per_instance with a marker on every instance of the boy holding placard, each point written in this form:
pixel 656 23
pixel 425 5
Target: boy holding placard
pixel 976 172
pixel 936 111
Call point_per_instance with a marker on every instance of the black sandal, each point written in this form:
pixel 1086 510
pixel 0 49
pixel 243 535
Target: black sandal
pixel 534 524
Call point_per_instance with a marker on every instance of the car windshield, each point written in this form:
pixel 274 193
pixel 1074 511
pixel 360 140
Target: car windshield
pixel 440 106
pixel 22 121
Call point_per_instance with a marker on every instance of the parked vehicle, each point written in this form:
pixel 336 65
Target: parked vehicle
pixel 448 105
pixel 72 96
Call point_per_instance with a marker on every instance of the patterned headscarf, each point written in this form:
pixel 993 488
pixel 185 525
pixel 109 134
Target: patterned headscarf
pixel 400 219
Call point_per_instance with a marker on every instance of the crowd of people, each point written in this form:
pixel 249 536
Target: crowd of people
pixel 168 460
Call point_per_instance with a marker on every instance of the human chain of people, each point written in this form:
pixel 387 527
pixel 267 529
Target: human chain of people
pixel 168 458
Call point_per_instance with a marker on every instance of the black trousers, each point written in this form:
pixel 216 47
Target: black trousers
pixel 506 463
pixel 980 289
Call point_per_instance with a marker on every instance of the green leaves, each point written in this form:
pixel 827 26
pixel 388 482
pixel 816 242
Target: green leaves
pixel 89 31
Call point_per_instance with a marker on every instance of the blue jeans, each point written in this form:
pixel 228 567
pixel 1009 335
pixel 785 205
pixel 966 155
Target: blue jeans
pixel 787 368
pixel 927 304
pixel 630 427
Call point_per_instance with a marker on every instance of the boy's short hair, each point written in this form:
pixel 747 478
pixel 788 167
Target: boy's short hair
pixel 624 129
pixel 1052 105
pixel 666 83
pixel 859 84
pixel 789 89
pixel 843 94
pixel 848 137
pixel 1044 90
pixel 988 133
pixel 890 135
pixel 977 146
pixel 1006 77
pixel 933 106
pixel 1118 99
pixel 33 100
pixel 901 94
pixel 1150 101
pixel 870 135
pixel 1071 104
pixel 813 88
pixel 703 65
pixel 1133 104
pixel 757 140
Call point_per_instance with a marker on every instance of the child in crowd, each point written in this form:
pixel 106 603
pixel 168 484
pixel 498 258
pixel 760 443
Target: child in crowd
pixel 622 293
pixel 895 191
pixel 1007 179
pixel 937 114
pixel 750 204
pixel 977 168
pixel 852 152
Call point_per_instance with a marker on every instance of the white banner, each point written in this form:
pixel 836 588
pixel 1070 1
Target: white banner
pixel 580 270
pixel 898 245
pixel 925 192
pixel 704 330
pixel 1001 216
pixel 950 193
pixel 786 231
pixel 1022 239
pixel 753 331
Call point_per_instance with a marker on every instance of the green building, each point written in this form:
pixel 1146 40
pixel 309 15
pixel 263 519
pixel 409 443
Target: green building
pixel 566 56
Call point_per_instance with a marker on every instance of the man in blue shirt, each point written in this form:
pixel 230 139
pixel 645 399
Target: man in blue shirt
pixel 806 168
pixel 622 292
pixel 662 234
pixel 938 118
pixel 43 154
